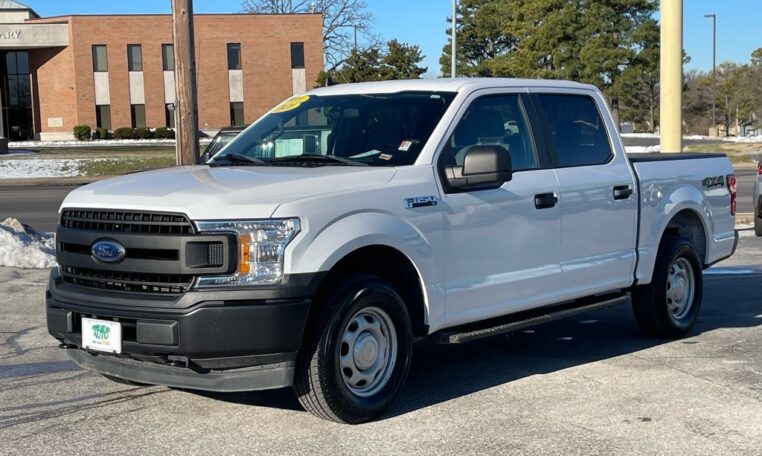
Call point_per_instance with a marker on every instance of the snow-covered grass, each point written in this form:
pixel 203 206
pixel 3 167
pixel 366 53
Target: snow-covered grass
pixel 96 143
pixel 640 135
pixel 642 149
pixel 23 247
pixel 733 139
pixel 21 169
pixel 744 139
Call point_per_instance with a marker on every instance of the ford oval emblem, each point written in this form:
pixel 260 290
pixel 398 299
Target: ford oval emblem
pixel 108 251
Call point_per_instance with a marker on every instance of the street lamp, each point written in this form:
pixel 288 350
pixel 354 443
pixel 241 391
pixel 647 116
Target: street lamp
pixel 714 66
pixel 454 46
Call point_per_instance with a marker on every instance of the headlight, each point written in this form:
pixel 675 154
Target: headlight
pixel 261 244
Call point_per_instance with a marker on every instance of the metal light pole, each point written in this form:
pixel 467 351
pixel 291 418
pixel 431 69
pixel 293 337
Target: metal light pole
pixel 714 66
pixel 454 46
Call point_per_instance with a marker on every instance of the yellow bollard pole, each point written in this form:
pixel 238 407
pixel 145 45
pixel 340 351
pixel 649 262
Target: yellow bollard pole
pixel 671 108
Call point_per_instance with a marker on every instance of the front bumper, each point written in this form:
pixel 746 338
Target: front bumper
pixel 208 340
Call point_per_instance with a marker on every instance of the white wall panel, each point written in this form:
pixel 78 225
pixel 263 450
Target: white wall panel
pixel 102 93
pixel 298 81
pixel 169 87
pixel 137 88
pixel 235 81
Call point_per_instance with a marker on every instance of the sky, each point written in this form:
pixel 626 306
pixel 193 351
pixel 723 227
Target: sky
pixel 423 22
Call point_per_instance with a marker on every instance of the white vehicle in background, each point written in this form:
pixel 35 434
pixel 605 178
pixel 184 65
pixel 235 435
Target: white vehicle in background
pixel 345 223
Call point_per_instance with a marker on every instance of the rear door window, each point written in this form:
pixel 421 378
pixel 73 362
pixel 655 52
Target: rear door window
pixel 577 129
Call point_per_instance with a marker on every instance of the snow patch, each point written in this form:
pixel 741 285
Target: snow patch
pixel 25 169
pixel 97 143
pixel 23 247
pixel 640 135
pixel 642 149
pixel 744 139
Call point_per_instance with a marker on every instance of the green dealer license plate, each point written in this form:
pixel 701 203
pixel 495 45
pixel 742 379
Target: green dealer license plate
pixel 102 335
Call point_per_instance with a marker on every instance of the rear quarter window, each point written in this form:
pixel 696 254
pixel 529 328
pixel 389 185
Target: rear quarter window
pixel 578 132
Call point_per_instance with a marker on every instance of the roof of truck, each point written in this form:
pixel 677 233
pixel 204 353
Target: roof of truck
pixel 445 85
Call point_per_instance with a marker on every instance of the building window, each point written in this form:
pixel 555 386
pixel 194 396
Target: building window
pixel 168 57
pixel 297 55
pixel 103 116
pixel 169 115
pixel 236 114
pixel 134 57
pixel 234 56
pixel 138 114
pixel 100 59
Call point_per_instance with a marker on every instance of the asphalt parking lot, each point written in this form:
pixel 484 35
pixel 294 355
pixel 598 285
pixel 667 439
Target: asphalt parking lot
pixel 589 385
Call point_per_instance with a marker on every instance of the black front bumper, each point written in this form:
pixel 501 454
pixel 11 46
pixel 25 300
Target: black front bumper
pixel 231 340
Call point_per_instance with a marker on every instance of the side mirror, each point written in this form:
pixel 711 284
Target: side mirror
pixel 204 157
pixel 483 166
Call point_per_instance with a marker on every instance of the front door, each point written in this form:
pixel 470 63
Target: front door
pixel 502 243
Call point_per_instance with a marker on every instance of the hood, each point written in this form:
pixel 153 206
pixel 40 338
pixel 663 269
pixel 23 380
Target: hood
pixel 205 193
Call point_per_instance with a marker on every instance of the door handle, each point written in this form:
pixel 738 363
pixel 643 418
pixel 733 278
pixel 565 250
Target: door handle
pixel 622 192
pixel 545 200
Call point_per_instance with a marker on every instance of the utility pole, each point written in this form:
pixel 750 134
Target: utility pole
pixel 186 104
pixel 454 33
pixel 671 75
pixel 714 66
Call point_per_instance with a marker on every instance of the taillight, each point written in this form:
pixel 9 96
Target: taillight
pixel 731 180
pixel 760 168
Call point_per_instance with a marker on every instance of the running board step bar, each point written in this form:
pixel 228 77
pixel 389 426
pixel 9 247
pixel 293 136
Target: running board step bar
pixel 453 336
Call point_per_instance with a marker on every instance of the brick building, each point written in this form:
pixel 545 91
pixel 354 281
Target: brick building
pixel 116 71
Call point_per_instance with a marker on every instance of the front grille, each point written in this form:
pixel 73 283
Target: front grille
pixel 117 221
pixel 127 281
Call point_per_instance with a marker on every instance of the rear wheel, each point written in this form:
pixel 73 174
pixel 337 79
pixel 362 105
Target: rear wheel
pixel 758 222
pixel 669 306
pixel 357 351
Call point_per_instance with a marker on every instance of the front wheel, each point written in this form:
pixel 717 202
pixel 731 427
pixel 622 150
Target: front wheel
pixel 669 306
pixel 356 355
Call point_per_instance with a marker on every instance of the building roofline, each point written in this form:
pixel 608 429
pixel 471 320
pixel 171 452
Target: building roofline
pixel 19 7
pixel 64 16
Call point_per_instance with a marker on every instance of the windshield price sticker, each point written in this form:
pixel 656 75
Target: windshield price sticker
pixel 291 103
pixel 405 146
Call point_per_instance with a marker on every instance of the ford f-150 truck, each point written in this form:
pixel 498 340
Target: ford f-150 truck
pixel 347 222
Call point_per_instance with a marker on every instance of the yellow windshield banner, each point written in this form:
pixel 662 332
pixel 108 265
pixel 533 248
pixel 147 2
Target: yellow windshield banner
pixel 291 103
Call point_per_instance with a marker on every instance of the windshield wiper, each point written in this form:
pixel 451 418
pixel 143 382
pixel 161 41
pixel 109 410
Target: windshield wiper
pixel 238 158
pixel 319 158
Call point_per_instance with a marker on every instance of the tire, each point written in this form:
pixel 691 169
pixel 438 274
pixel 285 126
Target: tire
pixel 758 225
pixel 356 353
pixel 669 306
pixel 123 381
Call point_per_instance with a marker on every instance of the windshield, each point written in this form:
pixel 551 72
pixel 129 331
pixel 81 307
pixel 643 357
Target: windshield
pixel 375 130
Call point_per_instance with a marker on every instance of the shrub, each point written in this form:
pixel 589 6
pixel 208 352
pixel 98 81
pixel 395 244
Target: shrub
pixel 143 133
pixel 124 133
pixel 82 132
pixel 164 133
pixel 101 133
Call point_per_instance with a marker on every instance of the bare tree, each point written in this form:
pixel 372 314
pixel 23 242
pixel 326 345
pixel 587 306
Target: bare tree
pixel 342 19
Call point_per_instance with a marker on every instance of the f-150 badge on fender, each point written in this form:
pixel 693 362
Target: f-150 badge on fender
pixel 420 201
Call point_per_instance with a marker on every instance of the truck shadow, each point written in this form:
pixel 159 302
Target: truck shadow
pixel 440 373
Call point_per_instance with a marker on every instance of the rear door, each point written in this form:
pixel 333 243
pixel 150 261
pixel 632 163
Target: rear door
pixel 598 198
pixel 502 246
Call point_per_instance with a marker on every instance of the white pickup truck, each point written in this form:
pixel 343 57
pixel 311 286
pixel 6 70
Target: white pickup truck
pixel 349 221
